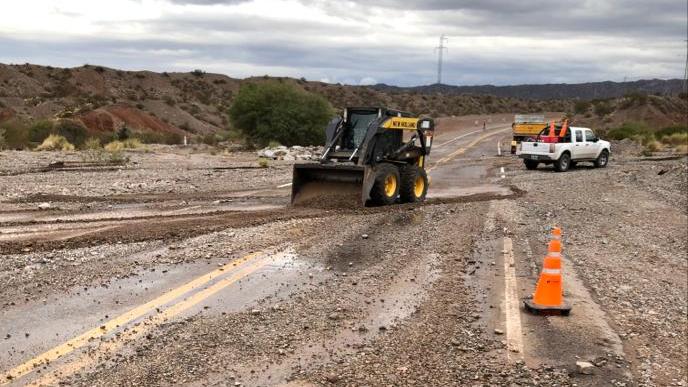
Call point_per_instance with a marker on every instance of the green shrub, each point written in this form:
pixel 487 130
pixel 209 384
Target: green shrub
pixel 55 142
pixel 263 162
pixel 92 143
pixel 675 139
pixel 150 137
pixel 210 139
pixel 634 98
pixel 670 130
pixel 603 108
pixel 629 130
pixel 581 107
pixel 73 131
pixel 16 134
pixel 274 111
pixel 3 140
pixel 39 130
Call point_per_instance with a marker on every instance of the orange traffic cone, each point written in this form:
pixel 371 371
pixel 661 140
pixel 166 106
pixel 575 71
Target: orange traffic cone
pixel 548 297
pixel 555 234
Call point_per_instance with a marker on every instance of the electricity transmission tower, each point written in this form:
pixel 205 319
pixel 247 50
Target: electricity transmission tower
pixel 440 51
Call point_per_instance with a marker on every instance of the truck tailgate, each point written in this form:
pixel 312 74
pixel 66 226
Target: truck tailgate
pixel 535 148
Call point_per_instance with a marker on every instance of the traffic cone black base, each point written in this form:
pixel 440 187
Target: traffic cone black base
pixel 564 309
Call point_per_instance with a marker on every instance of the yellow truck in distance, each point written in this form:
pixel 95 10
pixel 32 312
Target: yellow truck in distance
pixel 525 126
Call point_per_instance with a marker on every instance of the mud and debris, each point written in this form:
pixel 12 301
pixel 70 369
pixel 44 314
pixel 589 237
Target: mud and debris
pixel 328 293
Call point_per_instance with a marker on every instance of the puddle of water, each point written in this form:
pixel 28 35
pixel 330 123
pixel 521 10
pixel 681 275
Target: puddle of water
pixel 60 318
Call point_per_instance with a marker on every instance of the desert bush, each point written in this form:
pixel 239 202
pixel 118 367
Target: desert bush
pixel 273 111
pixel 150 137
pixel 263 162
pixel 123 133
pixel 634 98
pixel 682 149
pixel 55 142
pixel 581 107
pixel 16 134
pixel 670 130
pixel 198 73
pixel 629 130
pixel 93 150
pixel 114 146
pixel 653 146
pixel 73 131
pixel 132 143
pixel 210 139
pixel 3 141
pixel 169 100
pixel 603 108
pixel 39 130
pixel 675 139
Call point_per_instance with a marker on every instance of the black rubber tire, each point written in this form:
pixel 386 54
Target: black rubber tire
pixel 602 160
pixel 407 191
pixel 563 163
pixel 531 164
pixel 378 194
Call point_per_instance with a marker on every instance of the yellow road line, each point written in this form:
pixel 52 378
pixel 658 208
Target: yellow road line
pixel 463 150
pixel 90 358
pixel 133 314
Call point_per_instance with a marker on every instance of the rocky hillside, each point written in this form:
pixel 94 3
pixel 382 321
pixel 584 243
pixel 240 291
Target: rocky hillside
pixel 584 91
pixel 104 99
pixel 163 107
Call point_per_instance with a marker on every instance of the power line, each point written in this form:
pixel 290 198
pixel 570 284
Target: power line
pixel 440 51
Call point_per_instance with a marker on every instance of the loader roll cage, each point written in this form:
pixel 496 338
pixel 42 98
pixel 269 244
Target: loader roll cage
pixel 365 135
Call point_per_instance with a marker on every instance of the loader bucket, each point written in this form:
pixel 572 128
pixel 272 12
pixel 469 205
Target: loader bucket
pixel 330 185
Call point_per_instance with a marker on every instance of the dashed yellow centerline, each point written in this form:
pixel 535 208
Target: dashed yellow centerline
pixel 141 310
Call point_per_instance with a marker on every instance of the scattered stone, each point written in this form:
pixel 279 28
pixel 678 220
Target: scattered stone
pixel 498 331
pixel 44 206
pixel 585 368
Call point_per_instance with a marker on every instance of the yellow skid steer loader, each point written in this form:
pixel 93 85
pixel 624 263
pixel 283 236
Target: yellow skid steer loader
pixel 377 153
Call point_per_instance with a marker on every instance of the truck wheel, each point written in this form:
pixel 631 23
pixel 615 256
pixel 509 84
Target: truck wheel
pixel 563 164
pixel 386 186
pixel 602 160
pixel 531 164
pixel 414 184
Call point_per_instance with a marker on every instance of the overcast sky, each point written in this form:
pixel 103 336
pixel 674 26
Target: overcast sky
pixel 353 42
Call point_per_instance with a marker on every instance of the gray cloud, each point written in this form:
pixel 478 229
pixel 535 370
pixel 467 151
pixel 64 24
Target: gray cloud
pixel 491 41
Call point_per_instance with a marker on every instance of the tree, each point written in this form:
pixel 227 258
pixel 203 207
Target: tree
pixel 273 111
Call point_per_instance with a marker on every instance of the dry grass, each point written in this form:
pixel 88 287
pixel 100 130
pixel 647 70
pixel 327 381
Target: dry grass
pixel 55 142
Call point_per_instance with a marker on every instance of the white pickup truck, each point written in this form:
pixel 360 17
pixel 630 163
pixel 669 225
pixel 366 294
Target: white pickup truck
pixel 577 144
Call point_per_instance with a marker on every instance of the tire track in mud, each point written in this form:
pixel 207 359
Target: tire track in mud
pixel 175 226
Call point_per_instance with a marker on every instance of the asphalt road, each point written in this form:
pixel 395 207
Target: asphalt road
pixel 254 292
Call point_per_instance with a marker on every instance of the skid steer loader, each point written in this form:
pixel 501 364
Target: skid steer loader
pixel 377 153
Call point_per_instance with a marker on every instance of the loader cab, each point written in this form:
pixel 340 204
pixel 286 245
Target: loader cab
pixel 356 123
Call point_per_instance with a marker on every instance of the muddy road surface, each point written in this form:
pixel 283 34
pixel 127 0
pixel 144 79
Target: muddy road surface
pixel 191 268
